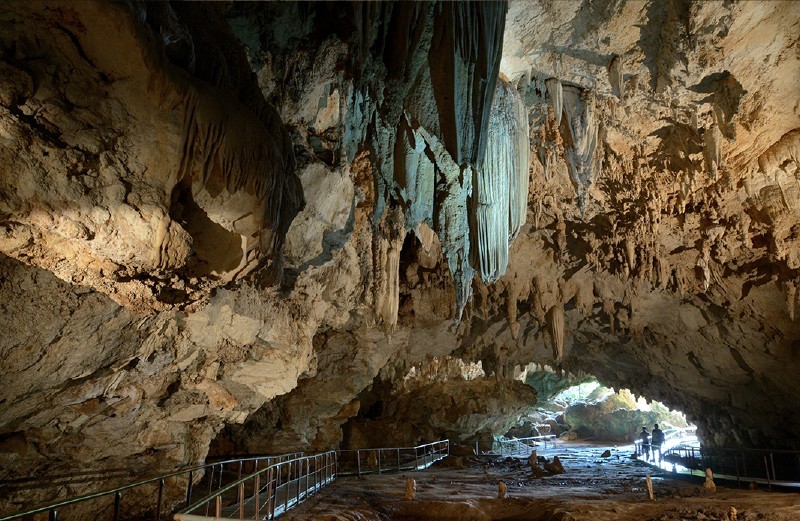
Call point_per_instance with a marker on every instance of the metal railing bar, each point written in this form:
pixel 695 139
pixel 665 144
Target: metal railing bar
pixel 59 504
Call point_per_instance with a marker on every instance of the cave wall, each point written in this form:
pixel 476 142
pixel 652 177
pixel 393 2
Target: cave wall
pixel 239 228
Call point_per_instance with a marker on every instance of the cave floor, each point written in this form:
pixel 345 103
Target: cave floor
pixel 592 488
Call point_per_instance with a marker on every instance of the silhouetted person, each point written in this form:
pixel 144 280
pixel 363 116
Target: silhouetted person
pixel 645 437
pixel 658 439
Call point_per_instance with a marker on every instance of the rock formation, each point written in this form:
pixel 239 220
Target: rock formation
pixel 300 219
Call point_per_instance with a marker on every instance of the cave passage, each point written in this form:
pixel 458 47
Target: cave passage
pixel 579 407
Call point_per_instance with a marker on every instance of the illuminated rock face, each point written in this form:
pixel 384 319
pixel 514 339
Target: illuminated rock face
pixel 220 224
pixel 150 177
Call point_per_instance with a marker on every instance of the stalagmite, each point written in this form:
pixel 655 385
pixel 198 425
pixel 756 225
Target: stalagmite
pixel 555 466
pixel 411 489
pixel 502 490
pixel 615 76
pixel 556 93
pixel 709 485
pixel 650 495
pixel 533 459
pixel 556 321
pixel 732 514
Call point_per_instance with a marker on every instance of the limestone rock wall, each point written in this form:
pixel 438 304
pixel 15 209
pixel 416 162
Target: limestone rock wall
pixel 239 228
pixel 154 211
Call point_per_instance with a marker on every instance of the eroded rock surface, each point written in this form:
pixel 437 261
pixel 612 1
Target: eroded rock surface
pixel 252 225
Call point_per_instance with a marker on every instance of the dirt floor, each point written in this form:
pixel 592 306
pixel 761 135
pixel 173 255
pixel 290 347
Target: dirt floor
pixel 592 488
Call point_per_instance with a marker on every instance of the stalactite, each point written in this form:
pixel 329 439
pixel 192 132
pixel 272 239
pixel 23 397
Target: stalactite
pixel 511 310
pixel 608 309
pixel 415 174
pixel 422 109
pixel 791 297
pixel 539 310
pixel 389 238
pixel 615 76
pixel 712 150
pixel 556 93
pixel 501 187
pixel 520 173
pixel 630 252
pixel 451 222
pixel 703 262
pixel 556 320
pixel 663 268
pixel 561 237
pixel 581 139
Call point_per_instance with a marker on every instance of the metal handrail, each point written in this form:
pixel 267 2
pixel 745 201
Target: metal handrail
pixel 423 457
pixel 53 508
pixel 733 463
pixel 523 442
pixel 271 491
pixel 268 484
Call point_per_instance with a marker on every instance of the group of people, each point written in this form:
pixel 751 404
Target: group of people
pixel 651 444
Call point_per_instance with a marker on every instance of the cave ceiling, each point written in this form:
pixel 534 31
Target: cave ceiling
pixel 264 217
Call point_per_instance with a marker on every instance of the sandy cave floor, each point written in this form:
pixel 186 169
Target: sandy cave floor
pixel 593 488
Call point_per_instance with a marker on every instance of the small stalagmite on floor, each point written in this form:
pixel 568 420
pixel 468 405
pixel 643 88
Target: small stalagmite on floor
pixel 650 495
pixel 709 485
pixel 555 466
pixel 411 489
pixel 502 490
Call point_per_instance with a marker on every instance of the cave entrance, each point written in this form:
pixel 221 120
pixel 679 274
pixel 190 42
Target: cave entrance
pixel 579 407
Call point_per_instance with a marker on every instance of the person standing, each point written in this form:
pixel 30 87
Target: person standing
pixel 644 436
pixel 657 441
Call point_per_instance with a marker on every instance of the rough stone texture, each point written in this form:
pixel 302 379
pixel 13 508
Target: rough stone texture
pixel 148 167
pixel 148 186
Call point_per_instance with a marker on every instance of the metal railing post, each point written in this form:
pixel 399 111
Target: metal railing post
pixel 288 486
pixel 160 497
pixel 117 501
pixel 189 489
pixel 240 492
pixel 270 493
pixel 210 484
pixel 257 495
pixel 766 467
pixel 53 515
pixel 358 459
pixel 379 461
pixel 772 462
